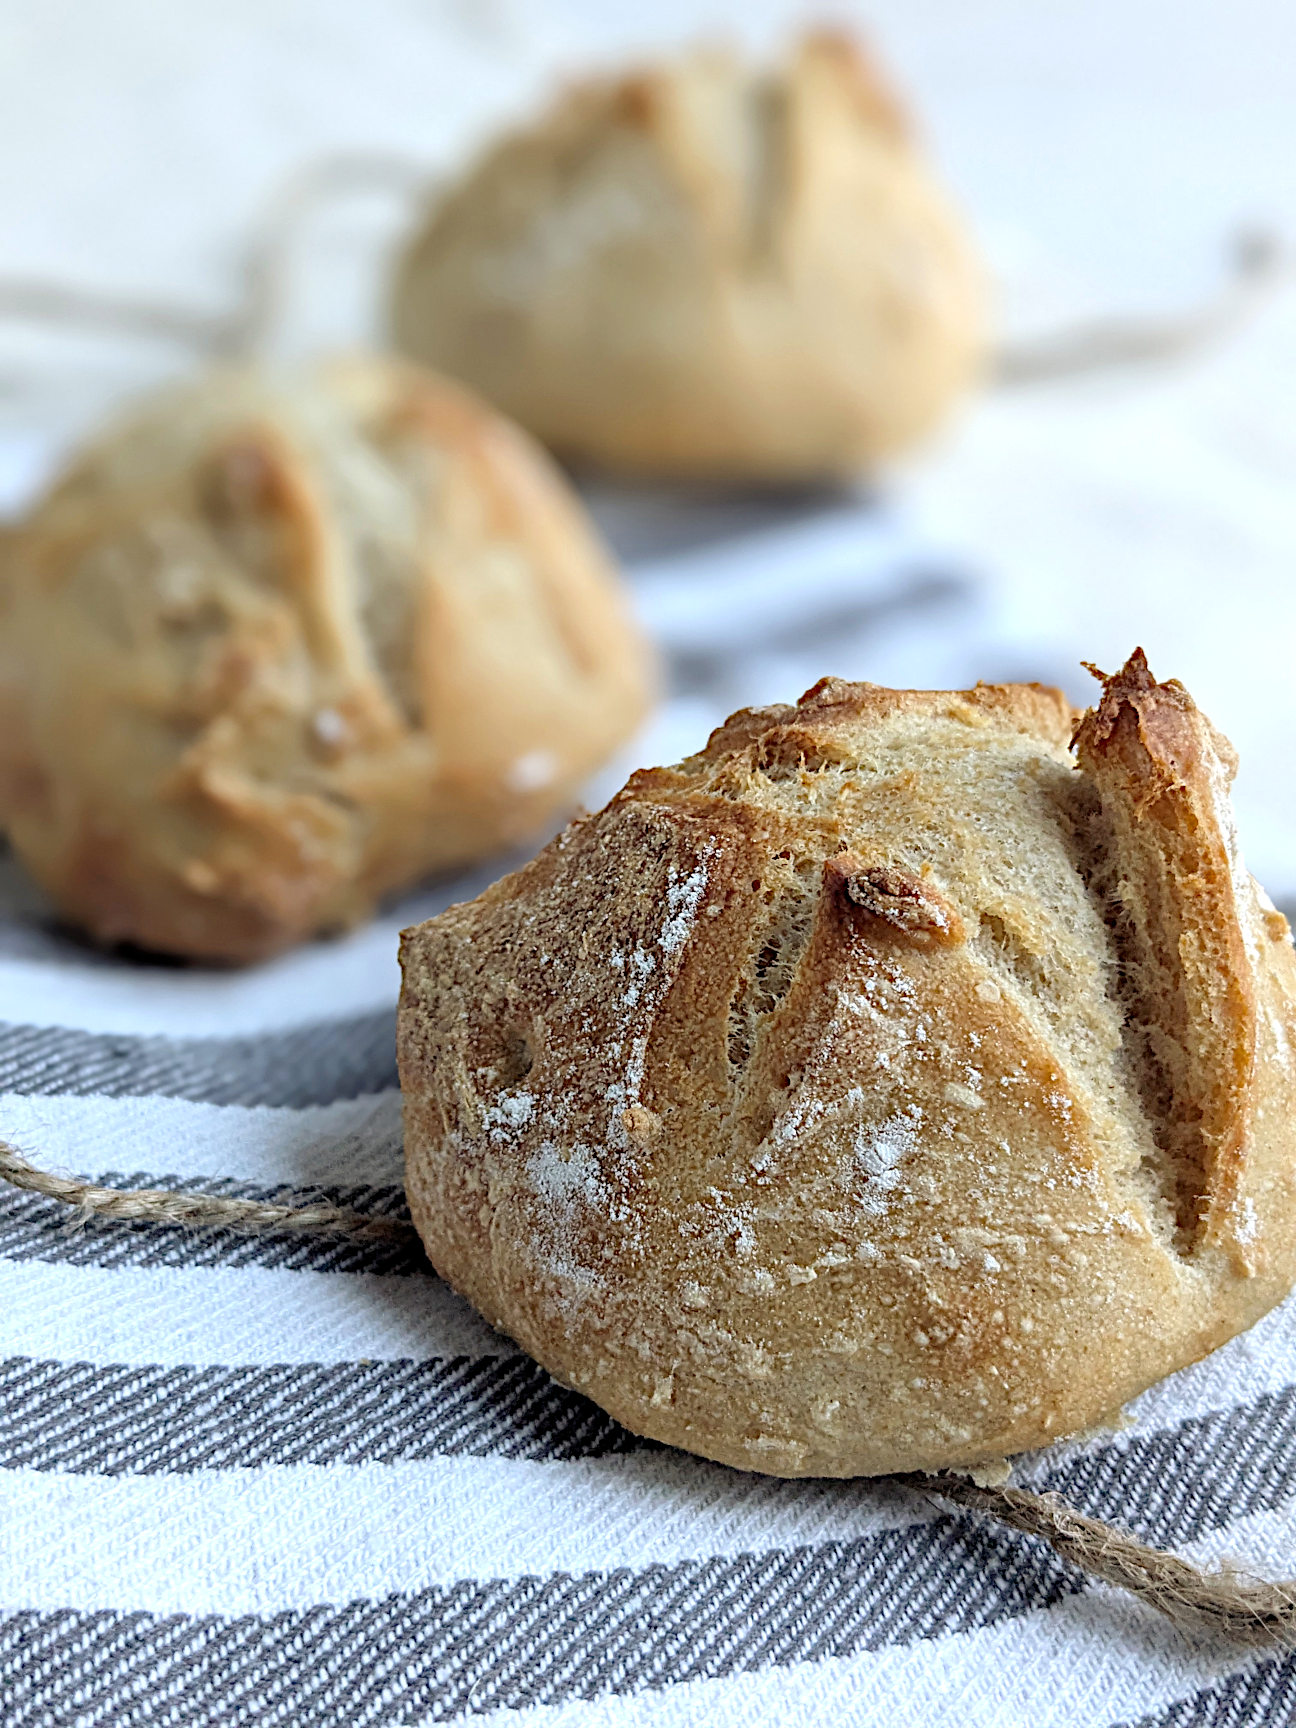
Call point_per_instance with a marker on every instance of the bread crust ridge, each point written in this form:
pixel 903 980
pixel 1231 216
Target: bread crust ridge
pixel 886 1087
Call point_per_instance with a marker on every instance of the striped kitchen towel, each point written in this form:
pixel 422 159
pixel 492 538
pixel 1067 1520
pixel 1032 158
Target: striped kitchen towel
pixel 278 1480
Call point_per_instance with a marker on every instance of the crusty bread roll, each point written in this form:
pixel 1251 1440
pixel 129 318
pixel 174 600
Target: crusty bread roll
pixel 272 648
pixel 886 1087
pixel 701 270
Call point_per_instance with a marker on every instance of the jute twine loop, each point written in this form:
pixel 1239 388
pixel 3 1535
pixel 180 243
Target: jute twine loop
pixel 1223 1601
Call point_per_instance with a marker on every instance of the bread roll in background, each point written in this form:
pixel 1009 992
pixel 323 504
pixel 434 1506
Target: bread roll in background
pixel 703 270
pixel 273 647
pixel 889 1086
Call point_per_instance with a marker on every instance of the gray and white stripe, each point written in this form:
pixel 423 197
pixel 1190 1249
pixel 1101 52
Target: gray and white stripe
pixel 124 1420
pixel 439 1654
pixel 1263 1694
pixel 34 1228
pixel 296 1481
pixel 313 1064
pixel 76 1416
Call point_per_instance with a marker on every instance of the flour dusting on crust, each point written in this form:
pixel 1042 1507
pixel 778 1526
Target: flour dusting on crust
pixel 879 1149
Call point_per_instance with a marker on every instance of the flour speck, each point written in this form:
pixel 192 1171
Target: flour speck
pixel 682 901
pixel 564 1183
pixel 513 1112
pixel 878 1149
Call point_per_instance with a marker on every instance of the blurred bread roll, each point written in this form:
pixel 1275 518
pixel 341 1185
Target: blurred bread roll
pixel 703 270
pixel 890 1086
pixel 273 647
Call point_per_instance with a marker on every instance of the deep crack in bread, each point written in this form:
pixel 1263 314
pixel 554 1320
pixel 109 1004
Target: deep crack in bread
pixel 706 270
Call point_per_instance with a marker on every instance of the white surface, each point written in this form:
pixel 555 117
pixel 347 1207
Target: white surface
pixel 1157 509
pixel 355 1141
pixel 405 1527
pixel 1103 150
pixel 241 1315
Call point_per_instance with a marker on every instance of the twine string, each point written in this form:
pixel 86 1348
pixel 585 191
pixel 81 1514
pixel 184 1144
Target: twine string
pixel 198 1211
pixel 1223 1601
pixel 37 300
pixel 245 330
pixel 268 256
pixel 1256 264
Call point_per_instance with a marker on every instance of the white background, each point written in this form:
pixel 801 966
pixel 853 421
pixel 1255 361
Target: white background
pixel 1104 152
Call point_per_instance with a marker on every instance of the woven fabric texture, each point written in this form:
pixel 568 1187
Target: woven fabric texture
pixel 266 1480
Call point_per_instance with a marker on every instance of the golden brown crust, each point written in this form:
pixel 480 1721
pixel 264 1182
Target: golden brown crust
pixel 699 269
pixel 825 717
pixel 815 1106
pixel 274 649
pixel 1191 927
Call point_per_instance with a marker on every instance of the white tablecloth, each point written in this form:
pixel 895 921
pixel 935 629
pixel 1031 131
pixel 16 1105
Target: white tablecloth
pixel 286 1481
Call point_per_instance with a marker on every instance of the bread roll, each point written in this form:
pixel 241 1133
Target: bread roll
pixel 701 270
pixel 888 1087
pixel 271 649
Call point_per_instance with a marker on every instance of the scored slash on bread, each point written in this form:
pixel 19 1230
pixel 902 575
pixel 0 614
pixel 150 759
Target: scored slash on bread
pixel 1189 927
pixel 886 1087
pixel 705 270
pixel 274 647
